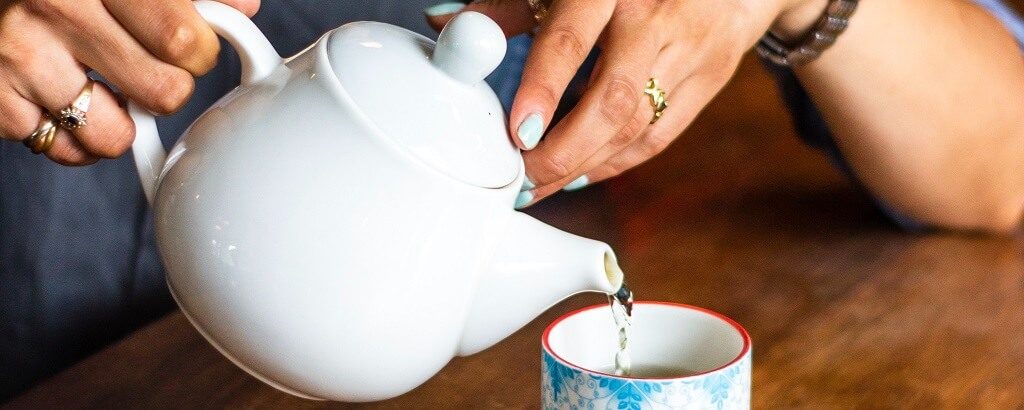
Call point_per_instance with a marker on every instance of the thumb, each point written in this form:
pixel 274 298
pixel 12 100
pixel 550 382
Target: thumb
pixel 513 16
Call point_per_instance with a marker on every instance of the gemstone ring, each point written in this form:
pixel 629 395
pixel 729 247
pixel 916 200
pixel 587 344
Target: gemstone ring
pixel 73 117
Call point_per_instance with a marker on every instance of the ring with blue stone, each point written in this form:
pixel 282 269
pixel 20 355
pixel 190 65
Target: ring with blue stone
pixel 74 116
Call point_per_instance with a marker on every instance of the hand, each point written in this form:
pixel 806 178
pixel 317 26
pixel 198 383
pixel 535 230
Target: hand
pixel 150 50
pixel 692 47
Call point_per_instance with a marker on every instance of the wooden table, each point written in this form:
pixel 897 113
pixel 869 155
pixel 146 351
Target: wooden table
pixel 844 308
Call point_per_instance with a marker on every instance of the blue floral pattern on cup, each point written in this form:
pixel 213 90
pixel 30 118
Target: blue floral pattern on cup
pixel 566 387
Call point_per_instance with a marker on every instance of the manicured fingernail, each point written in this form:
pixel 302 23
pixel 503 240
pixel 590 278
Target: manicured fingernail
pixel 527 184
pixel 577 183
pixel 530 130
pixel 524 199
pixel 443 8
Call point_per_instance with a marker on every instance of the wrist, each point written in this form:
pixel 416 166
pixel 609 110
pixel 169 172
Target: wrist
pixel 797 17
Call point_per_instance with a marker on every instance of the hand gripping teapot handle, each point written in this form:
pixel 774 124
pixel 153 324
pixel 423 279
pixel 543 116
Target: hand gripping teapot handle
pixel 258 57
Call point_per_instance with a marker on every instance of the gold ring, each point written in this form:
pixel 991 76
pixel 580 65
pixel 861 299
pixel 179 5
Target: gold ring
pixel 539 8
pixel 74 116
pixel 657 97
pixel 42 138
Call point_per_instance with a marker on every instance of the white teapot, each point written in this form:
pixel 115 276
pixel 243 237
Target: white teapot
pixel 341 225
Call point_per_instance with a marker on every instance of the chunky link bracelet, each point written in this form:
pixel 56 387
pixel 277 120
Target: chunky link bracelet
pixel 831 24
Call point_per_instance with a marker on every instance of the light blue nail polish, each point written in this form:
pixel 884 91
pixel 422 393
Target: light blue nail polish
pixel 523 199
pixel 577 183
pixel 527 184
pixel 443 8
pixel 530 130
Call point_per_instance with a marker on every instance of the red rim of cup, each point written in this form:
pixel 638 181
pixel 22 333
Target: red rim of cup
pixel 726 319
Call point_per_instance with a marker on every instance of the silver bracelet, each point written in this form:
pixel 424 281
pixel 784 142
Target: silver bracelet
pixel 831 24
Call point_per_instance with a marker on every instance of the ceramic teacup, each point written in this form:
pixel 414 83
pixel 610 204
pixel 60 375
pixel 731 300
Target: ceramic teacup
pixel 579 348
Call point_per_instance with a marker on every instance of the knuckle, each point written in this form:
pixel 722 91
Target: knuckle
pixel 609 170
pixel 65 153
pixel 189 46
pixel 628 132
pixel 653 145
pixel 555 167
pixel 169 92
pixel 615 171
pixel 116 141
pixel 179 41
pixel 547 95
pixel 620 100
pixel 567 42
pixel 24 62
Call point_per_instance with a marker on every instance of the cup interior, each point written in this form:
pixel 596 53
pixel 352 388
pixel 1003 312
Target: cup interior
pixel 662 334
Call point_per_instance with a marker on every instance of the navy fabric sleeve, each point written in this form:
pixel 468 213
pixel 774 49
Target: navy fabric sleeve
pixel 811 126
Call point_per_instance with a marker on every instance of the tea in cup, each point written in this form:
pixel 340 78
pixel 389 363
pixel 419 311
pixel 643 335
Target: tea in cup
pixel 681 357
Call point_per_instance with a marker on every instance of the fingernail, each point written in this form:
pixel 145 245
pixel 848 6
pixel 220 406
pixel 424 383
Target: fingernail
pixel 443 8
pixel 527 184
pixel 530 130
pixel 524 199
pixel 577 183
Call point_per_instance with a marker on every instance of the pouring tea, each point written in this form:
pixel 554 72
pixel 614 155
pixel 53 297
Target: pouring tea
pixel 341 224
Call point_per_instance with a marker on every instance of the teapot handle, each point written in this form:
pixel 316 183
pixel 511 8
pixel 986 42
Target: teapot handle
pixel 258 57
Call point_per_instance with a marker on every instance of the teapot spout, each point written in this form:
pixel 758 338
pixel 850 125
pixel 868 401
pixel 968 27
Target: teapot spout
pixel 534 267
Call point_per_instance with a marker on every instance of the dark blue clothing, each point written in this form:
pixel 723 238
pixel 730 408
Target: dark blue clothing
pixel 78 265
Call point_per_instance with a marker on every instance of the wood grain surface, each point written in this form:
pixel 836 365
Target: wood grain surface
pixel 845 309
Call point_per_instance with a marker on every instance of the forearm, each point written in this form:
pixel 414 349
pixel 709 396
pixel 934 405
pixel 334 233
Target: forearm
pixel 925 99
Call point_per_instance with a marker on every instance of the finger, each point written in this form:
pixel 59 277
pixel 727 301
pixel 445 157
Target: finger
pixel 109 131
pixel 564 41
pixel 97 40
pixel 513 16
pixel 20 116
pixel 66 150
pixel 171 30
pixel 24 119
pixel 607 110
pixel 578 178
pixel 693 94
pixel 52 79
pixel 638 126
pixel 666 72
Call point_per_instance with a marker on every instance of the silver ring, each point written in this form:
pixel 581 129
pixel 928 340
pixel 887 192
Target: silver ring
pixel 74 116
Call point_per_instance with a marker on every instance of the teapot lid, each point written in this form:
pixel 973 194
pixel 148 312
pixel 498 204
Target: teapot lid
pixel 432 100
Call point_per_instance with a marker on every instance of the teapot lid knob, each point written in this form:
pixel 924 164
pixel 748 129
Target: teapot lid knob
pixel 470 47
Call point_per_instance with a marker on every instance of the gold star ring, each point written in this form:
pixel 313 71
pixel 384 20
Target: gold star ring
pixel 657 97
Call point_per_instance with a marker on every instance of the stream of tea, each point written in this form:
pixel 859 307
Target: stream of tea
pixel 622 311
